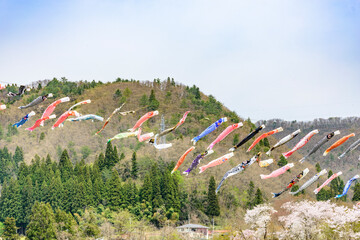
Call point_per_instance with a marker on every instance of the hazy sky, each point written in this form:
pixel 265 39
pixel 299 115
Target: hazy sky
pixel 263 59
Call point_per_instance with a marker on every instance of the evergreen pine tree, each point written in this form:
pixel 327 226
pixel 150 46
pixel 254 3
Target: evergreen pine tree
pixel 157 200
pixel 10 200
pixel 168 190
pixel 249 203
pixel 70 191
pixel 143 100
pixel 42 222
pixel 176 205
pixel 28 199
pixel 97 186
pixel 212 208
pixel 266 143
pixel 318 168
pixel 110 159
pixel 116 157
pixel 10 229
pixel 79 197
pixel 134 169
pixel 356 196
pixel 114 191
pixel 282 162
pixel 146 189
pixel 153 103
pixel 55 191
pixel 65 221
pixel 100 162
pixel 258 199
pixel 18 156
pixel 65 166
pixel 322 195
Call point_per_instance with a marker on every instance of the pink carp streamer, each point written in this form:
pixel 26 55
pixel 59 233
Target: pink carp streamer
pixel 63 117
pixel 277 172
pixel 182 158
pixel 216 162
pixel 49 110
pixel 338 143
pixel 143 119
pixel 39 121
pixel 302 143
pixel 145 136
pixel 182 120
pixel 316 191
pixel 80 103
pixel 264 135
pixel 226 132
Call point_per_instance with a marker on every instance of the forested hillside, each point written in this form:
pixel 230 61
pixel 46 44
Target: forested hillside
pixel 87 186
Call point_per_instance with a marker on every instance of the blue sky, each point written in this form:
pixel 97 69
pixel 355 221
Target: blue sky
pixel 263 59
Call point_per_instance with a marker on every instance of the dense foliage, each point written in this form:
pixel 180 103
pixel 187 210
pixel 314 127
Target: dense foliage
pixel 31 193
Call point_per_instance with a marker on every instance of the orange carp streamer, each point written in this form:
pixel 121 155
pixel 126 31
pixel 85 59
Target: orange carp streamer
pixel 338 143
pixel 182 158
pixel 264 135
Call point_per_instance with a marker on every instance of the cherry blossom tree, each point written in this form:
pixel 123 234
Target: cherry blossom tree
pixel 312 220
pixel 259 219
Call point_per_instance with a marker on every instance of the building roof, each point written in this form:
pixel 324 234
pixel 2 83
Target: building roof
pixel 192 226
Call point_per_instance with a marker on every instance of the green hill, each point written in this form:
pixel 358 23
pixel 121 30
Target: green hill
pixel 171 100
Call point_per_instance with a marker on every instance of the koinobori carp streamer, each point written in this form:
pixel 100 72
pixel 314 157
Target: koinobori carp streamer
pixel 182 158
pixel 302 143
pixel 264 135
pixel 85 118
pixel 310 181
pixel 143 119
pixel 320 143
pixel 37 101
pixel 239 168
pixel 63 117
pixel 294 181
pixel 247 138
pixel 123 135
pixel 169 130
pixel 79 103
pixel 217 161
pixel 351 148
pixel 210 129
pixel 226 132
pixel 277 172
pixel 265 163
pixel 109 118
pixel 283 141
pixel 197 160
pixel 49 110
pixel 347 186
pixel 338 143
pixel 40 121
pixel 24 119
pixel 316 191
